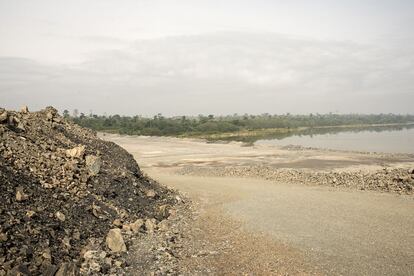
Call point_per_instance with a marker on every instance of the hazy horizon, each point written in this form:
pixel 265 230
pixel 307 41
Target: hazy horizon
pixel 208 57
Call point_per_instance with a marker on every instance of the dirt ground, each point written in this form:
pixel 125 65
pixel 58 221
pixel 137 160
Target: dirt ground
pixel 255 226
pixel 162 152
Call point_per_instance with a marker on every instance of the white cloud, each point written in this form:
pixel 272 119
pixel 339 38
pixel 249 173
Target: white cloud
pixel 222 73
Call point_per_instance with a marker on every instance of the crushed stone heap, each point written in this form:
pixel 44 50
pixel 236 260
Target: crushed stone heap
pixel 66 195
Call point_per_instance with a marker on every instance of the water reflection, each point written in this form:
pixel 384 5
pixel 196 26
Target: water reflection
pixel 335 130
pixel 399 139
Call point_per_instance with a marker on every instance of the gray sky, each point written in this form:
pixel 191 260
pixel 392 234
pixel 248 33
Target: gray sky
pixel 220 57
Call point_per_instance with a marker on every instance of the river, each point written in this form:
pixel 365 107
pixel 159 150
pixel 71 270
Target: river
pixel 378 139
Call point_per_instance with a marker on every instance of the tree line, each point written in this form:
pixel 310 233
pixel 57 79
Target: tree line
pixel 159 125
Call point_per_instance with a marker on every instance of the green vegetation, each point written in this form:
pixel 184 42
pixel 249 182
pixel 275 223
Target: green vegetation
pixel 232 126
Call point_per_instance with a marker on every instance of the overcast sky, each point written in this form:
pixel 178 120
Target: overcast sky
pixel 208 57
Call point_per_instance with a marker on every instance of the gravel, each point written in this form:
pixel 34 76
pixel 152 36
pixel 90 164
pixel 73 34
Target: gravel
pixel 397 180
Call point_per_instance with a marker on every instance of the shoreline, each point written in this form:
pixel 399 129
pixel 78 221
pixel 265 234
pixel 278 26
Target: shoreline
pixel 384 172
pixel 274 131
pixel 260 133
pixel 290 147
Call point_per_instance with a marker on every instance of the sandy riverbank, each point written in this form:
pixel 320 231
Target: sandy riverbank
pixel 345 169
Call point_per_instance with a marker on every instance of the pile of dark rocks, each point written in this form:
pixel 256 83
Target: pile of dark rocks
pixel 69 201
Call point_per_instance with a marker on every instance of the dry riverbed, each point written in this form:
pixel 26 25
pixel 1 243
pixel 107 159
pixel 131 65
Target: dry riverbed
pixel 291 210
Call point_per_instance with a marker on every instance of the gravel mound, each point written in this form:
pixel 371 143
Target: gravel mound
pixel 400 181
pixel 69 201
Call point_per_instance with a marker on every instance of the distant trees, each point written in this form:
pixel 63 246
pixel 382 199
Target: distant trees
pixel 184 125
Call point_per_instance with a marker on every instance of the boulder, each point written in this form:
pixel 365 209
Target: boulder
pixel 115 241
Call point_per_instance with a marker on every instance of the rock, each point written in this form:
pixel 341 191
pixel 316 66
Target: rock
pixel 20 269
pixel 151 193
pixel 24 109
pixel 49 116
pixel 60 216
pixel 3 237
pixel 108 261
pixel 20 126
pixel 76 235
pixel 93 163
pixel 67 269
pixel 102 255
pixel 91 264
pixel 163 212
pixel 49 270
pixel 150 225
pixel 20 195
pixel 76 152
pixel 115 241
pixel 163 225
pixel 126 228
pixel 46 254
pixel 117 222
pixel 3 116
pixel 30 213
pixel 66 242
pixel 11 120
pixel 136 226
pixel 118 263
pixel 50 113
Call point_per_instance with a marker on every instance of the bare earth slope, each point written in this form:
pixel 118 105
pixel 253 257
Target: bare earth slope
pixel 309 229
